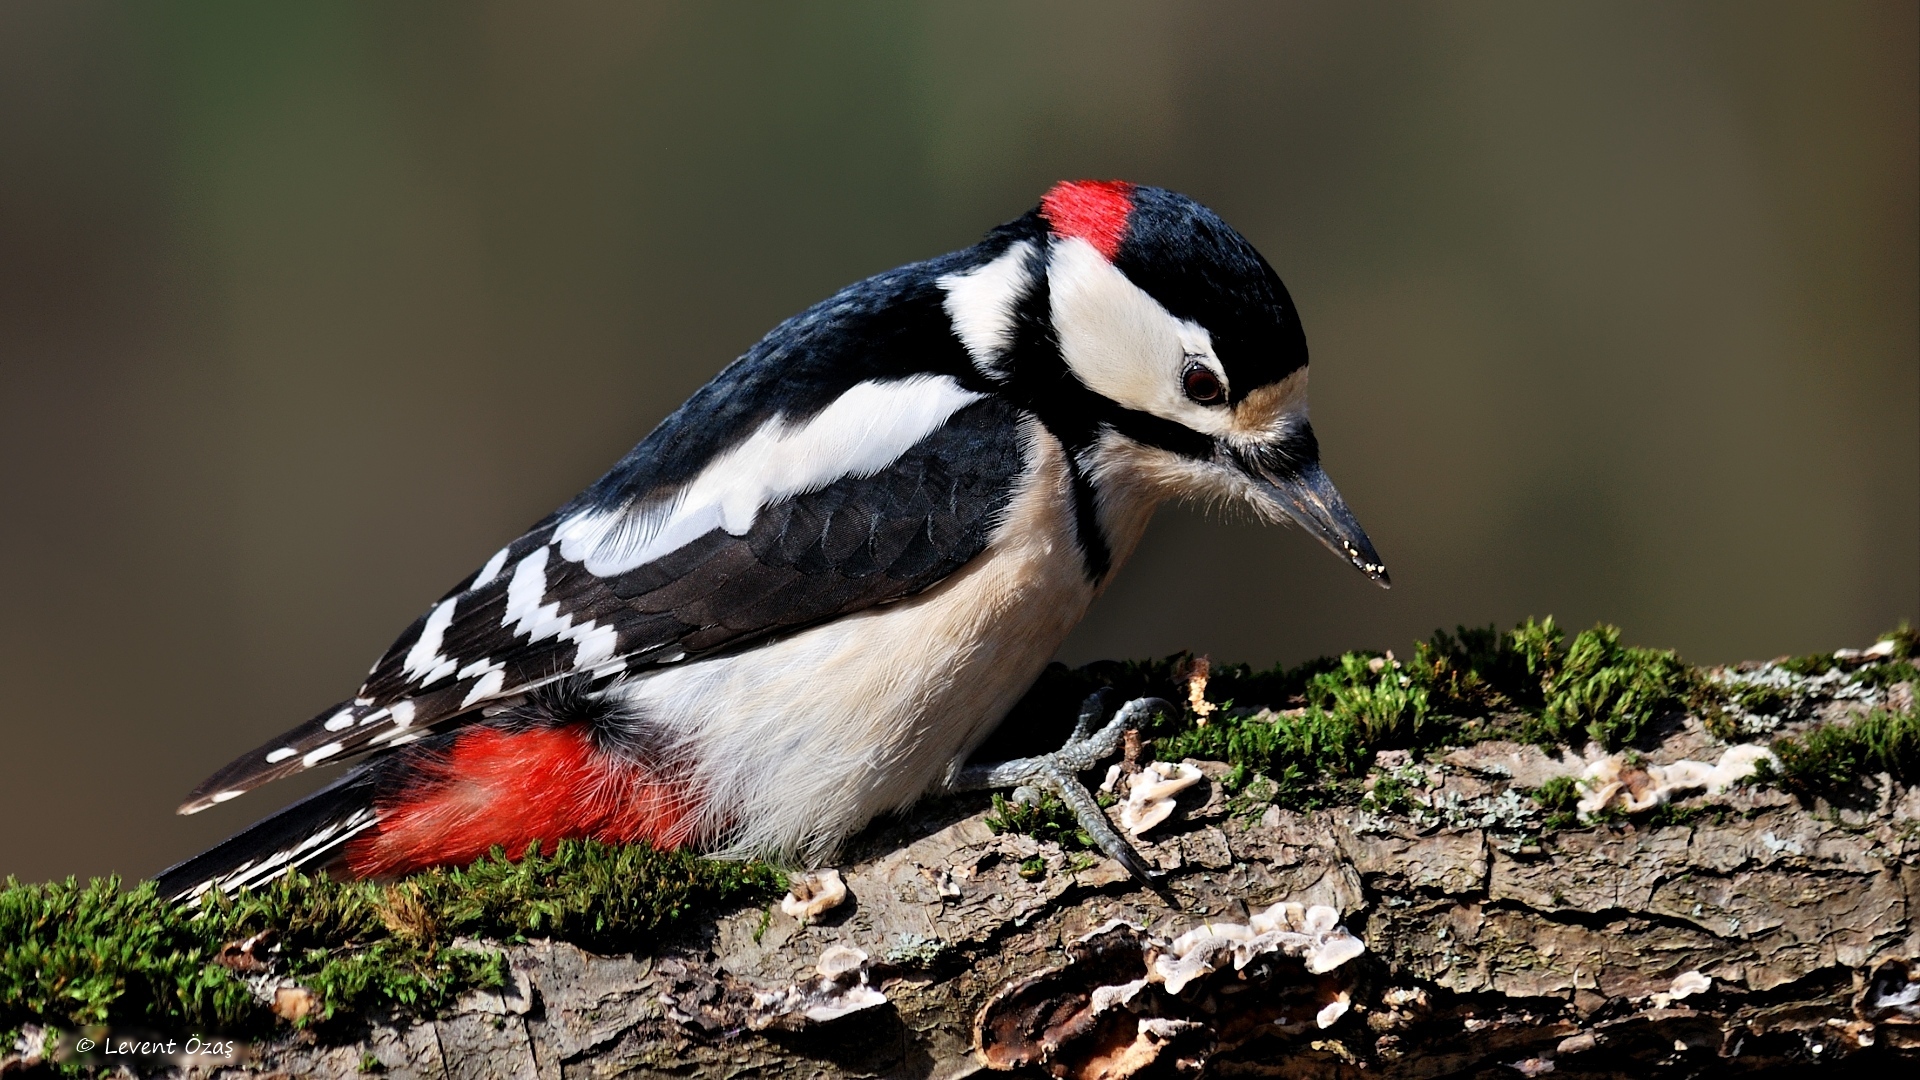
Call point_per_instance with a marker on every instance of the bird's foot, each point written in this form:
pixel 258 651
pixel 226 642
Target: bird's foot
pixel 1059 771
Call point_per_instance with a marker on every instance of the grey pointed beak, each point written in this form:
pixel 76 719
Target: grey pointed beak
pixel 1308 497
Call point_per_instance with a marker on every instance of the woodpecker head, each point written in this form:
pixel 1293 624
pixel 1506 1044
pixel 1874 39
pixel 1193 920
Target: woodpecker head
pixel 1165 349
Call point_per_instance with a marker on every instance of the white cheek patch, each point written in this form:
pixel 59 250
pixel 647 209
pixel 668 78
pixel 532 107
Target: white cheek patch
pixel 980 302
pixel 865 430
pixel 1121 343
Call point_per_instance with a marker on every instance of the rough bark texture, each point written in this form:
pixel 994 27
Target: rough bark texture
pixel 1489 949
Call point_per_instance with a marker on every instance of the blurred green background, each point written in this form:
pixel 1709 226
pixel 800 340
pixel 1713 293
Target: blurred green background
pixel 304 310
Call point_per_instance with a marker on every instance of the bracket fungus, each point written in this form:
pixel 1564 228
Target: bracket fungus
pixel 1126 1000
pixel 1892 995
pixel 1151 795
pixel 1612 780
pixel 840 986
pixel 813 893
pixel 1688 983
pixel 713 1000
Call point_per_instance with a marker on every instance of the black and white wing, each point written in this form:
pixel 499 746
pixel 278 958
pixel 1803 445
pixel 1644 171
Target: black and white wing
pixel 848 485
pixel 616 593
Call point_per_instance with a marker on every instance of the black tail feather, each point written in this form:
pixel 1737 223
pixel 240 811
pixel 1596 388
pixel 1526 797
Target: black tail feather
pixel 309 835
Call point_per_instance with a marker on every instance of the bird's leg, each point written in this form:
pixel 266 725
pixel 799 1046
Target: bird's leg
pixel 1058 772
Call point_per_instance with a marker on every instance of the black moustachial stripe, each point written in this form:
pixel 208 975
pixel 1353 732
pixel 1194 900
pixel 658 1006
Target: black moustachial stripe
pixel 1040 381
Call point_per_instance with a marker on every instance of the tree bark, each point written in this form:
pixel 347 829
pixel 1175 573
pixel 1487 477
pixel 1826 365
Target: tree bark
pixel 1490 948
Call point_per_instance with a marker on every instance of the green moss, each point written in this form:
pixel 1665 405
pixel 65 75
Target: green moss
pixel 1559 797
pixel 73 954
pixel 1305 736
pixel 1897 665
pixel 1479 671
pixel 1815 664
pixel 1390 793
pixel 1764 700
pixel 1591 689
pixel 1048 819
pixel 1832 759
pixel 1720 724
pixel 1304 757
pixel 86 954
pixel 1386 707
pixel 1883 674
pixel 1529 682
pixel 1602 691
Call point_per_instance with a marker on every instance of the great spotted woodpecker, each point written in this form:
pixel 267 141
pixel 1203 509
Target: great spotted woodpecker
pixel 816 587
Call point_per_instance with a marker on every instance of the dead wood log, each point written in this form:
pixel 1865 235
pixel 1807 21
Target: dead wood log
pixel 1763 936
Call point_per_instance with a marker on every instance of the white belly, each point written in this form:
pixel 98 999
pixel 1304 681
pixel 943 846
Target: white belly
pixel 792 746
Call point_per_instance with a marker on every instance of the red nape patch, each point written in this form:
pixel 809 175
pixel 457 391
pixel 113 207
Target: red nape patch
pixel 512 788
pixel 1093 210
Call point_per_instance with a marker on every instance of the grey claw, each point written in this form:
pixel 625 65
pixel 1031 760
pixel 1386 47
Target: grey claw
pixel 1058 772
pixel 1091 711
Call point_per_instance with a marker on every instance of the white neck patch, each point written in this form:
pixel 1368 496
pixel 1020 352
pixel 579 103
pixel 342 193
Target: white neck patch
pixel 865 430
pixel 980 303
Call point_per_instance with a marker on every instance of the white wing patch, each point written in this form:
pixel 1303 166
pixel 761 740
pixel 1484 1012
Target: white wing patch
pixel 527 615
pixel 491 570
pixel 529 584
pixel 424 661
pixel 865 430
pixel 492 678
pixel 980 303
pixel 596 646
pixel 315 757
pixel 862 432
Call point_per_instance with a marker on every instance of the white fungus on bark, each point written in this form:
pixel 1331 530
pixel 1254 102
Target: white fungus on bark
pixel 814 892
pixel 1688 983
pixel 1610 780
pixel 1313 934
pixel 840 988
pixel 1152 793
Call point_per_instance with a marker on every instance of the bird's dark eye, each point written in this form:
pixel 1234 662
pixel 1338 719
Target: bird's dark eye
pixel 1202 385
